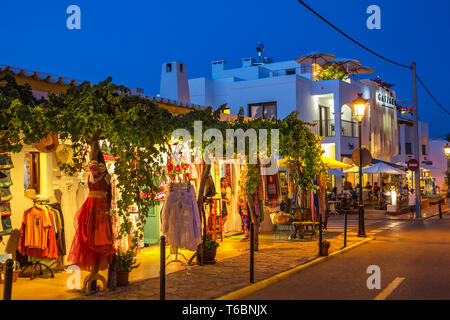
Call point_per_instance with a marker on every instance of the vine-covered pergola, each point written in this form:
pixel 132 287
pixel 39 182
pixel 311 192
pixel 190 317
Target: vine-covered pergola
pixel 138 132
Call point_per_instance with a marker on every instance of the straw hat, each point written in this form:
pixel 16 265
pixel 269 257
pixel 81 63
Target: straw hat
pixel 30 193
pixel 47 144
pixel 64 153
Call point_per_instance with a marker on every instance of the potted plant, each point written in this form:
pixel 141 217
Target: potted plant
pixel 209 250
pixel 325 247
pixel 126 263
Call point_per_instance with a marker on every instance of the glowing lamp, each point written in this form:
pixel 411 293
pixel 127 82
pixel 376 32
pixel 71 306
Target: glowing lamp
pixel 359 107
pixel 447 150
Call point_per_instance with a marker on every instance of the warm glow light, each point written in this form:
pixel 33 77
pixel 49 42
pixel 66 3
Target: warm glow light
pixel 447 150
pixel 359 107
pixel 394 197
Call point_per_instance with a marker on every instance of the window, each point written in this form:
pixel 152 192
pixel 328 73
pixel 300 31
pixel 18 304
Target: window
pixel 290 71
pixel 266 110
pixel 408 148
pixel 169 67
pixel 424 149
pixel 31 172
pixel 181 67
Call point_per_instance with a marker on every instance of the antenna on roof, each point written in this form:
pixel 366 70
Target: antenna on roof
pixel 260 50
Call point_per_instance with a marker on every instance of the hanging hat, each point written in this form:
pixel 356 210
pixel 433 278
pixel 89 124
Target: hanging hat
pixel 47 144
pixel 64 154
pixel 30 193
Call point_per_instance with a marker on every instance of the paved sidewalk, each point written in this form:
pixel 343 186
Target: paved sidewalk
pixel 213 281
pixel 382 215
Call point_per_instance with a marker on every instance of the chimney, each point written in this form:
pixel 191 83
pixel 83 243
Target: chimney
pixel 174 82
pixel 248 62
pixel 217 67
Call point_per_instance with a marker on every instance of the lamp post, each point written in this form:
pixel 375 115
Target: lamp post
pixel 447 153
pixel 359 109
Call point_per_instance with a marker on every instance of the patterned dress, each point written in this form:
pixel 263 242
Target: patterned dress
pixel 93 243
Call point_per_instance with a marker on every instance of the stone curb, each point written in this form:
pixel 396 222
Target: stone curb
pixel 240 293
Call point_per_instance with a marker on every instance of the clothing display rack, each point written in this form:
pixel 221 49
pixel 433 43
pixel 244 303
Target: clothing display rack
pixel 185 186
pixel 37 264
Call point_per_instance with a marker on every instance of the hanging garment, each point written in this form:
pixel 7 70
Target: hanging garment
pixel 5 161
pixel 37 234
pixel 93 243
pixel 60 238
pixel 5 194
pixel 6 181
pixel 181 219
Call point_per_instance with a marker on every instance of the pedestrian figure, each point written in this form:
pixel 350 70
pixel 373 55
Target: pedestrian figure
pixel 412 204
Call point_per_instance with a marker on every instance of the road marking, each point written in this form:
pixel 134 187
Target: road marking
pixel 389 289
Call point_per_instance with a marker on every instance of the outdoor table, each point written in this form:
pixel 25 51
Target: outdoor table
pixel 301 226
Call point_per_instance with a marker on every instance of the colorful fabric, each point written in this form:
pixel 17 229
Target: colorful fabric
pixel 5 194
pixel 93 243
pixel 6 181
pixel 5 209
pixel 5 161
pixel 6 225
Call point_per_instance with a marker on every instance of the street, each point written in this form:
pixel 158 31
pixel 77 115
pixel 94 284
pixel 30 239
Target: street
pixel 417 251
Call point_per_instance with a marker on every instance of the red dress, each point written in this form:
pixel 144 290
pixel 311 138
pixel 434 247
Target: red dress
pixel 93 243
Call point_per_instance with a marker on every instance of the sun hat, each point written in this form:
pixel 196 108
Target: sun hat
pixel 47 144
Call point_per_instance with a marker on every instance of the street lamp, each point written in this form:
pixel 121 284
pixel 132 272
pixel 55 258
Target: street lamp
pixel 447 153
pixel 359 109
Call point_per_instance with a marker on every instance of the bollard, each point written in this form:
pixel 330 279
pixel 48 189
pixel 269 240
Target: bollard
pixel 345 229
pixel 320 234
pixel 440 211
pixel 252 253
pixel 7 288
pixel 162 269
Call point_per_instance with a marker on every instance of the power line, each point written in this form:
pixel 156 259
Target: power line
pixel 350 38
pixel 371 51
pixel 435 100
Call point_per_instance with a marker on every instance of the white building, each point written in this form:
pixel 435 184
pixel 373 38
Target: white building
pixel 275 89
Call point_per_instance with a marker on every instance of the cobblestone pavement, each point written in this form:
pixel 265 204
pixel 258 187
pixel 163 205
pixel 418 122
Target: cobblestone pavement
pixel 213 281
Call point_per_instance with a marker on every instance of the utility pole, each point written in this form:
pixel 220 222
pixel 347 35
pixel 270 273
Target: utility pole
pixel 416 142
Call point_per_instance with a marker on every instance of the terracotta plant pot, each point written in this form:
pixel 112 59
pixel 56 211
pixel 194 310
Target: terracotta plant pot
pixel 122 278
pixel 325 251
pixel 209 256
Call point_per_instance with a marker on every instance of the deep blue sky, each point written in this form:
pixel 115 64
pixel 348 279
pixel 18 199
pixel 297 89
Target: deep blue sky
pixel 129 40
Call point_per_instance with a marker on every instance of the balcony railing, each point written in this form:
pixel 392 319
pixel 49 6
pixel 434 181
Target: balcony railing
pixel 349 129
pixel 325 128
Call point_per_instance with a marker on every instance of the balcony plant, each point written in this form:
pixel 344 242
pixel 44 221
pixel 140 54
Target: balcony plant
pixel 333 71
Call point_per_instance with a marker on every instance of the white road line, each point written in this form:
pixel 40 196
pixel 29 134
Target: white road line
pixel 389 289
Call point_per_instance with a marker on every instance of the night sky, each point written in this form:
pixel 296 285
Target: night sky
pixel 129 40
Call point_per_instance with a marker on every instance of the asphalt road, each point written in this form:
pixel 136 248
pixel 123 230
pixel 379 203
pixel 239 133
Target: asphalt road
pixel 417 251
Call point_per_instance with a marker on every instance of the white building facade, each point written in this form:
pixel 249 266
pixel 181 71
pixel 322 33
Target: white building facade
pixel 280 88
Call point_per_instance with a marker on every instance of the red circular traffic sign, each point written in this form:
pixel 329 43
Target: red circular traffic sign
pixel 413 164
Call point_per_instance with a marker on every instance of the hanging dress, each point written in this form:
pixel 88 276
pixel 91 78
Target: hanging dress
pixel 93 243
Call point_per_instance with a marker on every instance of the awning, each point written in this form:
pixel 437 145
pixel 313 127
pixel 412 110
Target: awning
pixel 337 172
pixel 382 167
pixel 329 163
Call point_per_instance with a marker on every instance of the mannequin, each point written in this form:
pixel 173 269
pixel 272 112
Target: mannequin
pixel 93 244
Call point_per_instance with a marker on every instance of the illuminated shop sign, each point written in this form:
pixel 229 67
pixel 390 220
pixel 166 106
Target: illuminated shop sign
pixel 385 98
